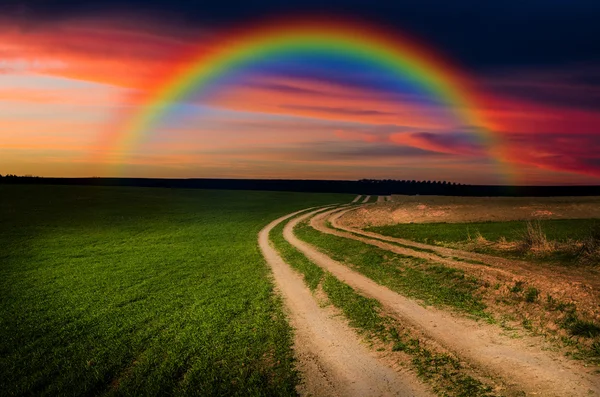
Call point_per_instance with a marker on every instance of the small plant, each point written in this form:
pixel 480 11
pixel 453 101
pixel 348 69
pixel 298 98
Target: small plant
pixel 566 307
pixel 518 287
pixel 584 328
pixel 532 294
pixel 399 346
pixel 527 324
pixel 534 238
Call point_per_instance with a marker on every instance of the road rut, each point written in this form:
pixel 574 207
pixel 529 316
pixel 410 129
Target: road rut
pixel 331 358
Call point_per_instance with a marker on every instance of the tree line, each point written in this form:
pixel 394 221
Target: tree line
pixel 362 186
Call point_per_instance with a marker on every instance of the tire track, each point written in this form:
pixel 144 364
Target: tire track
pixel 331 358
pixel 356 199
pixel 518 362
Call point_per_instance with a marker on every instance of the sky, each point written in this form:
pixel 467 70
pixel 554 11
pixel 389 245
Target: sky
pixel 72 73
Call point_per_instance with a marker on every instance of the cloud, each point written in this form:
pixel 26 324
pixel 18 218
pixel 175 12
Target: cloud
pixel 107 51
pixel 449 143
pixel 337 110
pixel 560 152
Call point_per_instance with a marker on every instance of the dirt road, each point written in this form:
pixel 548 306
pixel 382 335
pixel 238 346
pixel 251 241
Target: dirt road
pixel 331 358
pixel 519 362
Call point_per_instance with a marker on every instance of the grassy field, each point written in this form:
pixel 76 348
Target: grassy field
pixel 561 230
pixel 125 291
pixel 565 236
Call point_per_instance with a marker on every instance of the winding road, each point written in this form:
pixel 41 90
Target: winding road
pixel 334 361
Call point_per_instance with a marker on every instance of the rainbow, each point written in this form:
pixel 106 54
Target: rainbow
pixel 399 54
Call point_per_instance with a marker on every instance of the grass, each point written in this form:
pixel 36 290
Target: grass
pixel 312 273
pixel 549 239
pixel 432 283
pixel 443 371
pixel 561 230
pixel 125 291
pixel 435 366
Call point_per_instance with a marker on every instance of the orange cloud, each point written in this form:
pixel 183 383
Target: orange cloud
pixel 106 51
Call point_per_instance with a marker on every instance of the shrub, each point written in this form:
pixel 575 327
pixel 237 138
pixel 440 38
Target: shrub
pixel 534 238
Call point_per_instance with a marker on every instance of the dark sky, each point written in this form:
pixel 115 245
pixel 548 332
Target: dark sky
pixel 480 34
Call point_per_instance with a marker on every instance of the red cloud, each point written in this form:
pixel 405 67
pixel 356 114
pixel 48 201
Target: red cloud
pixel 106 51
pixel 449 143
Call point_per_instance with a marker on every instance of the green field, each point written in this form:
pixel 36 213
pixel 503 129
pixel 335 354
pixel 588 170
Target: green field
pixel 565 235
pixel 125 291
pixel 561 230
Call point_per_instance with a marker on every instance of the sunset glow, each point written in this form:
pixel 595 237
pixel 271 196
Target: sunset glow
pixel 291 99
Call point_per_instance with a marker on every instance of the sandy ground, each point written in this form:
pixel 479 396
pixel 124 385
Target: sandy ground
pixel 366 199
pixel 380 199
pixel 332 360
pixel 356 198
pixel 520 362
pixel 424 209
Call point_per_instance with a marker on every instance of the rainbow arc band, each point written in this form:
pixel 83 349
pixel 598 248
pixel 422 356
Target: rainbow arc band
pixel 399 54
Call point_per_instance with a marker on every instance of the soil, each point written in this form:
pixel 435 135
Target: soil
pixel 429 209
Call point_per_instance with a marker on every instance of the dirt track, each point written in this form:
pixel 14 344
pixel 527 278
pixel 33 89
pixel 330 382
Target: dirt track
pixel 332 360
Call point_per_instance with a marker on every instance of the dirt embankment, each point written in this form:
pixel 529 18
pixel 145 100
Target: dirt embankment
pixel 427 209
